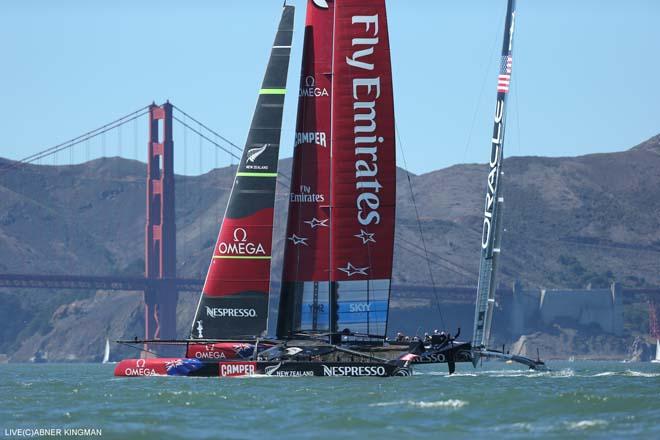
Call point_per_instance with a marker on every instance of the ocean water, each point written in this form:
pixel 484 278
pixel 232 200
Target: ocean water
pixel 575 400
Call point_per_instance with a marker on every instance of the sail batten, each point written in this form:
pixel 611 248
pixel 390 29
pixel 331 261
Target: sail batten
pixel 492 220
pixel 234 300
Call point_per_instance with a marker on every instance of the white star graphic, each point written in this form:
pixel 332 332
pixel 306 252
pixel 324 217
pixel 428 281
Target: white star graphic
pixel 298 240
pixel 366 236
pixel 314 222
pixel 351 270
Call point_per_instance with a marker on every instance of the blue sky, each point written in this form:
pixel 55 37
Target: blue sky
pixel 586 73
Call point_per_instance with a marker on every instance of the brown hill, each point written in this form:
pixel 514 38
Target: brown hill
pixel 568 222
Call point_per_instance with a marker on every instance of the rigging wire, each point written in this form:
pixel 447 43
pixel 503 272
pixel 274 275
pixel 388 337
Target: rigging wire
pixel 418 254
pixel 516 89
pixel 419 225
pixel 492 52
pixel 441 261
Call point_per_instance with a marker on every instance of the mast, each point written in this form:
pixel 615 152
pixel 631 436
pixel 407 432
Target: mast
pixel 234 300
pixel 492 223
pixel 340 231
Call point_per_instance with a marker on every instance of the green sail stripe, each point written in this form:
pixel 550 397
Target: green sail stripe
pixel 249 174
pixel 272 91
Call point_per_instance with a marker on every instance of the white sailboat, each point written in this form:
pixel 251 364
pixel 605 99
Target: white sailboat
pixel 106 352
pixel 657 352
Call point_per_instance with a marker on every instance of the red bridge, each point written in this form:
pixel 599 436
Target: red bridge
pixel 160 284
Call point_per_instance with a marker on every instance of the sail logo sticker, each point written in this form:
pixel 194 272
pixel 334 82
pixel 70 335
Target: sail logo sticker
pixel 240 234
pixel 309 89
pixel 140 369
pixel 219 312
pixel 429 358
pixel 359 307
pixel 254 153
pixel 200 328
pixel 306 196
pixel 298 240
pixel 311 137
pixel 241 246
pixel 493 179
pixel 314 222
pixel 354 371
pixel 316 308
pixel 252 156
pixel 229 369
pixel 272 369
pixel 365 236
pixel 321 3
pixel 210 352
pixel 366 91
pixel 351 270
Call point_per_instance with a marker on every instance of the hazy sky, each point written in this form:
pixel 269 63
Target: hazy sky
pixel 586 73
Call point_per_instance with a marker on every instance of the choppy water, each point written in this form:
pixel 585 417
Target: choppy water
pixel 576 400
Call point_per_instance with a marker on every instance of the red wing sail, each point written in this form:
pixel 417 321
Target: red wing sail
pixel 338 256
pixel 363 167
pixel 234 301
pixel 306 277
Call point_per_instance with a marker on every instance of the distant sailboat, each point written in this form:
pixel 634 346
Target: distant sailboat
pixel 657 352
pixel 106 352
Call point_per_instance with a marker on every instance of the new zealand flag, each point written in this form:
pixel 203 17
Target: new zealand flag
pixel 182 367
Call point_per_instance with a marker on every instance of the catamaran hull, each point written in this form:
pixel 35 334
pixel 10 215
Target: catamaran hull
pixel 197 368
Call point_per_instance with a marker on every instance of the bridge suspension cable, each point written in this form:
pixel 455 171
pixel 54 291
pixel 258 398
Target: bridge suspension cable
pixel 77 140
pixel 207 128
pixel 133 116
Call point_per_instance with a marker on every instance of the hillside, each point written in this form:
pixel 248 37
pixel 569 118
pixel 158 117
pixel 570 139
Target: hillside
pixel 568 222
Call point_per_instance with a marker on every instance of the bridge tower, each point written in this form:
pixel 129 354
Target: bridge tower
pixel 161 295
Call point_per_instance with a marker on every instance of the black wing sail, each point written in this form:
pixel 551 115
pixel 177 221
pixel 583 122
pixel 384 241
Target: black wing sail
pixel 491 235
pixel 234 300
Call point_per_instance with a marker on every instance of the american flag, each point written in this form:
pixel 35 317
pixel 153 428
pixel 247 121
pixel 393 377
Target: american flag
pixel 504 78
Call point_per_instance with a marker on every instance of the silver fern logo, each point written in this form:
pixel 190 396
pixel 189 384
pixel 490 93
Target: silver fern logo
pixel 272 369
pixel 254 153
